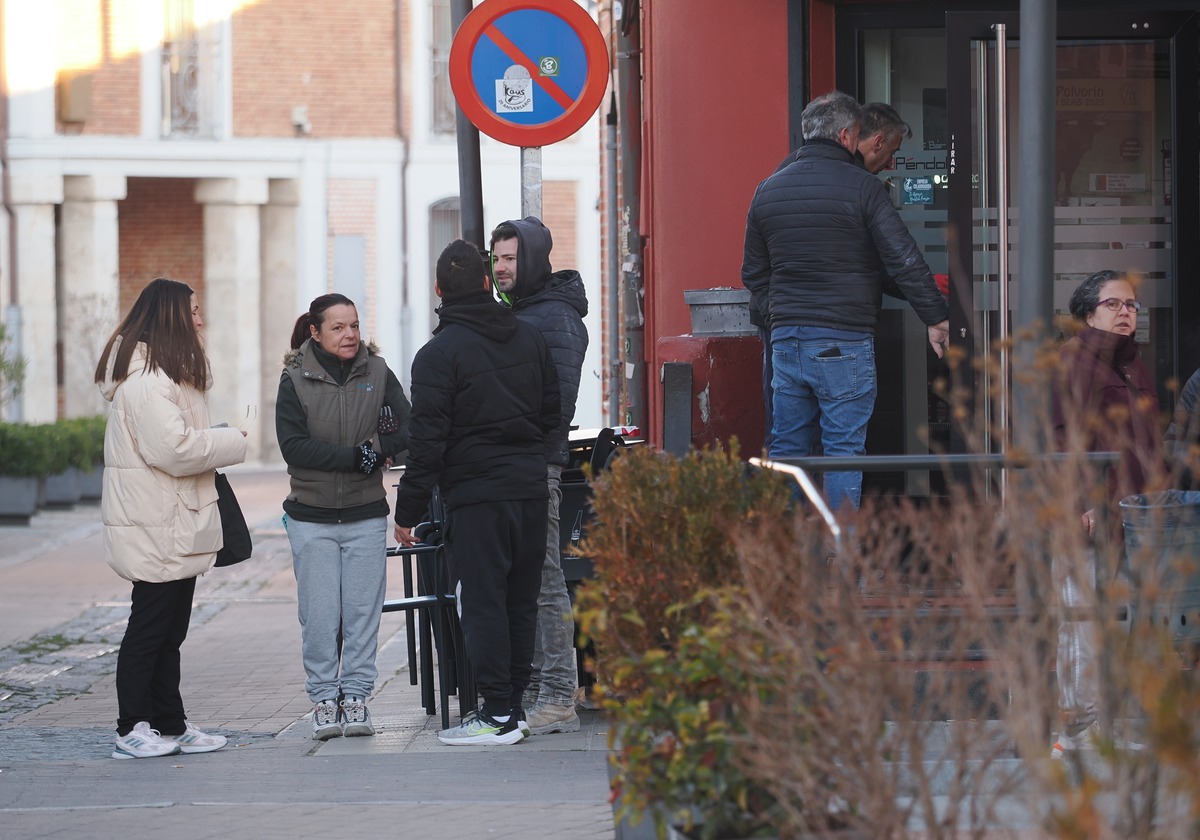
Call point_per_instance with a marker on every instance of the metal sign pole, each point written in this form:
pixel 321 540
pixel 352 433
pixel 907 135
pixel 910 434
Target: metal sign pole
pixel 531 181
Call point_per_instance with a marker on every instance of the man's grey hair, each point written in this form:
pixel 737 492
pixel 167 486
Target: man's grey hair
pixel 882 118
pixel 827 115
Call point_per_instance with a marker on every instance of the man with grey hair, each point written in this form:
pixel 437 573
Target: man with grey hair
pixel 880 135
pixel 881 131
pixel 822 238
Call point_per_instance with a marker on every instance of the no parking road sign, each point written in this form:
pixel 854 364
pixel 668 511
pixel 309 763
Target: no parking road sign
pixel 528 72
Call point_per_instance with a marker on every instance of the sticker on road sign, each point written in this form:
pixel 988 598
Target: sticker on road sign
pixel 563 57
pixel 514 94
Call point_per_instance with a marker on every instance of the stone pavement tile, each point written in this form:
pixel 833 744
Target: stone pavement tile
pixel 290 821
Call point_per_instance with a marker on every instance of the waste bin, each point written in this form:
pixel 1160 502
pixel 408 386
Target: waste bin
pixel 1162 545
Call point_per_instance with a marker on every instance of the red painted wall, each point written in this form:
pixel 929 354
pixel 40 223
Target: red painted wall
pixel 715 100
pixel 726 388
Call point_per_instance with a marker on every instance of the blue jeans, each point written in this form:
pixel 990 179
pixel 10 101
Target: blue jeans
pixel 768 374
pixel 826 399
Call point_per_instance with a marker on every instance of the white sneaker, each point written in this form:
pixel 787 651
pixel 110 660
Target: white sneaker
pixel 1090 739
pixel 194 741
pixel 356 718
pixel 143 742
pixel 327 720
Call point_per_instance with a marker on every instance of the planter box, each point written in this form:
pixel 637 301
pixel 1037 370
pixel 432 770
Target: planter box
pixel 91 484
pixel 62 489
pixel 722 311
pixel 18 499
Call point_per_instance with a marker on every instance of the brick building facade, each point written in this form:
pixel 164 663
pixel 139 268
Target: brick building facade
pixel 263 151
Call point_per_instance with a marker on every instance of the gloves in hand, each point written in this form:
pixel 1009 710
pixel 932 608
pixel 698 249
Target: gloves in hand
pixel 366 459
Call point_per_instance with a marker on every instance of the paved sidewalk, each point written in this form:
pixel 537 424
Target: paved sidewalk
pixel 63 617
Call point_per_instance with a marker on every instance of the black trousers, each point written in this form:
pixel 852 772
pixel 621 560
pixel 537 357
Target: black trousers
pixel 148 662
pixel 495 553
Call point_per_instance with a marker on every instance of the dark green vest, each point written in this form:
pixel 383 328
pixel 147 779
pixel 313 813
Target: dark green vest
pixel 344 415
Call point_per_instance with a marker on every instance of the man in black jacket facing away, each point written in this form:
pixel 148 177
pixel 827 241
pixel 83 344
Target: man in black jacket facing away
pixel 484 397
pixel 822 237
pixel 555 303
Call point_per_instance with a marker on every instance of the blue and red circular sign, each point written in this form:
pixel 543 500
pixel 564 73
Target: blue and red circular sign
pixel 529 72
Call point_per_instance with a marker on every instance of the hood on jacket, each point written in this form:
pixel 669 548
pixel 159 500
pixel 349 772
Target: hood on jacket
pixel 534 244
pixel 137 364
pixel 335 367
pixel 566 286
pixel 478 312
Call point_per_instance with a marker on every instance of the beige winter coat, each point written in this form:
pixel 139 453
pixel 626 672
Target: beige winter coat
pixel 160 502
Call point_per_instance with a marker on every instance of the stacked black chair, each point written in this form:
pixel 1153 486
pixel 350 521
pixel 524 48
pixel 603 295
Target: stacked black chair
pixel 431 621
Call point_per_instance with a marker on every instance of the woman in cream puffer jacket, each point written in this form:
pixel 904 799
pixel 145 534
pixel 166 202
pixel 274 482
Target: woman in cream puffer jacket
pixel 159 506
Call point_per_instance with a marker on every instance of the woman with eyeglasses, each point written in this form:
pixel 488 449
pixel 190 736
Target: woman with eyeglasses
pixel 1104 401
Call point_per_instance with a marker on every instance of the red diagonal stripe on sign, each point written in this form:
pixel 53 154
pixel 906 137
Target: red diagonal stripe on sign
pixel 547 83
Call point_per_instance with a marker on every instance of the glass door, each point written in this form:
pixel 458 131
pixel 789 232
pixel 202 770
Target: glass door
pixel 1125 100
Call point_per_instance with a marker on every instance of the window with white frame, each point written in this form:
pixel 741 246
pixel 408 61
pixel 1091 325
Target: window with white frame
pixel 445 225
pixel 190 48
pixel 442 118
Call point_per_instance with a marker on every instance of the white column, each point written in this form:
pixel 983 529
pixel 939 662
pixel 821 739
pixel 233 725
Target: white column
pixel 280 258
pixel 33 198
pixel 232 283
pixel 88 285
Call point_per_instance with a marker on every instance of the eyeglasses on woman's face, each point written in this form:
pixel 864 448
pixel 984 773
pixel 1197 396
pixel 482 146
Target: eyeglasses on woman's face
pixel 1115 304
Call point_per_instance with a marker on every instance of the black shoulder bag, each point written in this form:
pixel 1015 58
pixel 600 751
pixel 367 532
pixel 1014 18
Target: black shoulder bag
pixel 238 545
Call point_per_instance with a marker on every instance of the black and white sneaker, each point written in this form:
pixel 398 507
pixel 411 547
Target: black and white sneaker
pixel 356 719
pixel 327 720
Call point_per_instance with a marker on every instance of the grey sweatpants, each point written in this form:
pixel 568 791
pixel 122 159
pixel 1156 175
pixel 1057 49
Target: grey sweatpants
pixel 555 674
pixel 341 573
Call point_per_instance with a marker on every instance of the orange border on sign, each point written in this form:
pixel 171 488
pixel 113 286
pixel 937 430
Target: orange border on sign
pixel 478 23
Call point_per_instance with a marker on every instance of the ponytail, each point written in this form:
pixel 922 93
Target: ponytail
pixel 301 332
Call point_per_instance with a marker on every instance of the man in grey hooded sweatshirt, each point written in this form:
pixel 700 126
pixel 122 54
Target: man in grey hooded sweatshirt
pixel 555 302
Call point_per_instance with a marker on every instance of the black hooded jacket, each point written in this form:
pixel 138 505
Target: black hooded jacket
pixel 484 397
pixel 822 239
pixel 555 303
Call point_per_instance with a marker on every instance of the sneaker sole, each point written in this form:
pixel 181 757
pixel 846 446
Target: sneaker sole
pixel 195 750
pixel 560 726
pixel 121 754
pixel 507 739
pixel 327 732
pixel 353 730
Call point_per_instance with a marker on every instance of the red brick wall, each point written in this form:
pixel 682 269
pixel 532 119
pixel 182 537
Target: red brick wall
pixel 558 214
pixel 337 58
pixel 161 235
pixel 117 80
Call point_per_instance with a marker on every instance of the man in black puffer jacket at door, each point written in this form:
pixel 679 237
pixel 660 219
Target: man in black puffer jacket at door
pixel 555 302
pixel 484 397
pixel 822 237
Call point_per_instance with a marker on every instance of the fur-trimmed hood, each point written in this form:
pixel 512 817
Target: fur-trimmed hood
pixel 293 356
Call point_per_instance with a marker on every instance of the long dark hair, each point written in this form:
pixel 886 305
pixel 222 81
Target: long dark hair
pixel 161 318
pixel 315 316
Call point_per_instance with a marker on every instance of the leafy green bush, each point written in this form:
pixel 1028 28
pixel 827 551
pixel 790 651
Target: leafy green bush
pixel 85 440
pixel 26 450
pixel 679 737
pixel 658 611
pixel 12 369
pixel 664 532
pixel 60 439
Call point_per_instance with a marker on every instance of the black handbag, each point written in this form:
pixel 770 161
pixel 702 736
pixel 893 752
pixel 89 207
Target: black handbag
pixel 238 545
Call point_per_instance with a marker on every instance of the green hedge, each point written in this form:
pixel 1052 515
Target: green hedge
pixel 50 448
